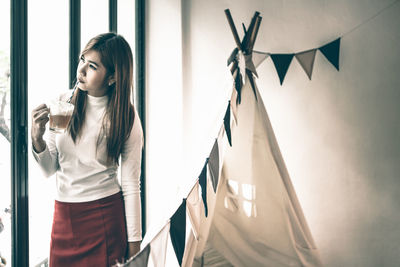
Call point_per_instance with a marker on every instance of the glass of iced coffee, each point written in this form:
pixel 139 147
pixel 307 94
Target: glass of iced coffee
pixel 60 115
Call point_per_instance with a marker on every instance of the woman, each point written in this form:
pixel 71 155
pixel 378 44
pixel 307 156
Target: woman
pixel 97 220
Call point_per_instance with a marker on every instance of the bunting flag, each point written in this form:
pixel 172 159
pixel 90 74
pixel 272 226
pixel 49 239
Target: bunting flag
pixel 282 62
pixel 158 247
pixel 141 259
pixel 238 85
pixel 258 57
pixel 233 107
pixel 193 206
pixel 250 64
pixel 227 123
pixel 178 231
pixel 203 185
pixel 232 57
pixel 306 60
pixel 331 52
pixel 213 164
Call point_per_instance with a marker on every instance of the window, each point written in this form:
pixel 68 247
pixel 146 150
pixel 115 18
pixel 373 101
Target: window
pixel 94 19
pixel 48 68
pixel 126 21
pixel 47 77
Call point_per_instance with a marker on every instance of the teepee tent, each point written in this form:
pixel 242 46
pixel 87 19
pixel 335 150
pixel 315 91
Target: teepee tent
pixel 243 209
pixel 254 218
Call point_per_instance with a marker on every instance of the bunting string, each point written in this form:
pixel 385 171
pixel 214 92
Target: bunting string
pixel 371 18
pixel 306 58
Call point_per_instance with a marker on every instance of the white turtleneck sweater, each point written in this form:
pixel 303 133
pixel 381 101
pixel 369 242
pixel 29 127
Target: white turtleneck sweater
pixel 82 172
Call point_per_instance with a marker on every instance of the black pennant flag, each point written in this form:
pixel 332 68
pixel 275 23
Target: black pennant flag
pixel 331 52
pixel 177 231
pixel 282 62
pixel 203 185
pixel 232 57
pixel 238 85
pixel 213 164
pixel 227 123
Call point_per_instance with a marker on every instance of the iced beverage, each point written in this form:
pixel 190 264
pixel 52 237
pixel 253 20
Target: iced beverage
pixel 60 115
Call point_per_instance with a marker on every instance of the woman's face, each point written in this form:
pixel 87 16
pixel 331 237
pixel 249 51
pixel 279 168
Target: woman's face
pixel 91 74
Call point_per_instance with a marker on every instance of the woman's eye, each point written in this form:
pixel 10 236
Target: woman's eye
pixel 82 59
pixel 93 67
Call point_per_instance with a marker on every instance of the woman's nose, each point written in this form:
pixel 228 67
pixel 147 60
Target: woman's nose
pixel 82 69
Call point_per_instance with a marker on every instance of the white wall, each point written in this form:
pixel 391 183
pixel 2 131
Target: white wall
pixel 164 108
pixel 338 133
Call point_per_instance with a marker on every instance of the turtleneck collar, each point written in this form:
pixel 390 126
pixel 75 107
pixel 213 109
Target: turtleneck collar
pixel 97 101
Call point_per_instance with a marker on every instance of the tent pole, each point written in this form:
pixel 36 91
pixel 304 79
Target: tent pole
pixel 254 34
pixel 233 28
pixel 249 33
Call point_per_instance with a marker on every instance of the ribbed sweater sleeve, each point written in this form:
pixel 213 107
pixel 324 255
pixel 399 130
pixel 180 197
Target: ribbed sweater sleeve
pixel 131 158
pixel 48 159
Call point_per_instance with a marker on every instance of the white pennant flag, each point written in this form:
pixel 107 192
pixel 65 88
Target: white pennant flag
pixel 158 248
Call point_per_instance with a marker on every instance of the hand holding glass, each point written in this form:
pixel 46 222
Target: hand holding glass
pixel 60 115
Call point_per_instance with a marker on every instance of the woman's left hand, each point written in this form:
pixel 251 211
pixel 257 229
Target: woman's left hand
pixel 132 249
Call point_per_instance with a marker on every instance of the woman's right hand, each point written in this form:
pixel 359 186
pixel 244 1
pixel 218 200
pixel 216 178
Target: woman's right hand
pixel 40 116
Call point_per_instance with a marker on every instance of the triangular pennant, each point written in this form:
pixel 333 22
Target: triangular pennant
pixel 250 65
pixel 227 123
pixel 282 62
pixel 331 52
pixel 306 60
pixel 203 185
pixel 178 231
pixel 141 259
pixel 213 164
pixel 159 247
pixel 259 57
pixel 232 57
pixel 233 107
pixel 238 84
pixel 193 205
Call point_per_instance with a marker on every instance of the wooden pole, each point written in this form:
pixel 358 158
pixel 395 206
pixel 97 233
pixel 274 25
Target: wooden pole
pixel 233 28
pixel 249 38
pixel 249 33
pixel 254 34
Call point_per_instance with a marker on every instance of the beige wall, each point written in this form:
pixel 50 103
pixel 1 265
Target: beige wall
pixel 338 133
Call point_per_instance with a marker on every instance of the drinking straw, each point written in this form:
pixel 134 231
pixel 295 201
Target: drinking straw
pixel 73 91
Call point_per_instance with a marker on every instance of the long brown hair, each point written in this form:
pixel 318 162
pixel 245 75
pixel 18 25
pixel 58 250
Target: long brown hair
pixel 116 56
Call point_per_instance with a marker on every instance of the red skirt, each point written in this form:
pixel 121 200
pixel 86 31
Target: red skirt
pixel 88 233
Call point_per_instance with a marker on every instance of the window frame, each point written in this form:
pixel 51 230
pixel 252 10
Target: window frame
pixel 19 133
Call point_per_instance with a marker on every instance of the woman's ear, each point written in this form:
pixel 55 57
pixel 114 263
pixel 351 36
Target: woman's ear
pixel 111 81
